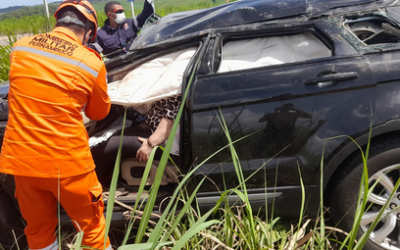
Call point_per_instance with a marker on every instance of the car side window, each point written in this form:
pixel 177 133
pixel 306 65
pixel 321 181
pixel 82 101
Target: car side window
pixel 272 50
pixel 368 32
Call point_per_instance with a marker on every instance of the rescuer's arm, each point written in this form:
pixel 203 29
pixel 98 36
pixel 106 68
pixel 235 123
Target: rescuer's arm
pixel 99 103
pixel 148 10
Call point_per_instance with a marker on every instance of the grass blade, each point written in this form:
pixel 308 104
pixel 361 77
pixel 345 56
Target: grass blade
pixel 322 219
pixel 78 241
pixel 184 210
pixel 143 246
pixel 140 191
pixel 113 186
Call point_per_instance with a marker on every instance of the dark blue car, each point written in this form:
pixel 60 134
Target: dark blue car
pixel 305 78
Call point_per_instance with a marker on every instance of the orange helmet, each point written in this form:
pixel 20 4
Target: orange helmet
pixel 86 9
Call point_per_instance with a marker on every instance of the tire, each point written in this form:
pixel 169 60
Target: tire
pixel 384 168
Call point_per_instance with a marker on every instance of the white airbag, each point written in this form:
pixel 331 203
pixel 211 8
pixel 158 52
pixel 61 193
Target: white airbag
pixel 267 51
pixel 152 81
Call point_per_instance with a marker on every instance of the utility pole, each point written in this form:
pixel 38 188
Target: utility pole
pixel 47 15
pixel 132 8
pixel 47 9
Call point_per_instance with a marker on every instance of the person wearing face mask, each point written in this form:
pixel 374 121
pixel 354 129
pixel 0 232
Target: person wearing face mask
pixel 118 32
pixel 53 77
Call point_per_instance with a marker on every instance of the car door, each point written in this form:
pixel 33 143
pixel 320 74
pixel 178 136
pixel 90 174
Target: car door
pixel 280 110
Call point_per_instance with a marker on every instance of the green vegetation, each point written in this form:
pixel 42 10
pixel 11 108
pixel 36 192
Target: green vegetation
pixel 27 24
pixel 26 20
pixel 5 58
pixel 37 10
pixel 4 62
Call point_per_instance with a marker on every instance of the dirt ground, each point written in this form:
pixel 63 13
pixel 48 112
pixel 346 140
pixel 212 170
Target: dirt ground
pixel 4 39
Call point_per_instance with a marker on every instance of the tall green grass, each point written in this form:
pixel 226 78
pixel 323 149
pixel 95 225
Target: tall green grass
pixel 5 51
pixel 28 24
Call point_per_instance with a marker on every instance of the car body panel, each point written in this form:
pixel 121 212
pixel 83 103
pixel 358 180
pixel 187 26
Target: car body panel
pixel 256 101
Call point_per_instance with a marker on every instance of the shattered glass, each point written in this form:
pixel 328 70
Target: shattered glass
pixel 369 30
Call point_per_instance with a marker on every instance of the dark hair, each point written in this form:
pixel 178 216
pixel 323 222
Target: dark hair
pixel 73 13
pixel 108 6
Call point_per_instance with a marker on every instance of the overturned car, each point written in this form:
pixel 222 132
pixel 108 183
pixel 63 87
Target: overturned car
pixel 305 78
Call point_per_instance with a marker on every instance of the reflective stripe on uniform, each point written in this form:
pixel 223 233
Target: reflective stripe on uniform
pixel 53 246
pixel 57 57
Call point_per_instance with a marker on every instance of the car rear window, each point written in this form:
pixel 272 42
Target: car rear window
pixel 372 30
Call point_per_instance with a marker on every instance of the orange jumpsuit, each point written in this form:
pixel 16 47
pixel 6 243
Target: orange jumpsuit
pixel 52 78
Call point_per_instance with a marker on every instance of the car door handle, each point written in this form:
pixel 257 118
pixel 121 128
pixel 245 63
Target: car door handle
pixel 332 77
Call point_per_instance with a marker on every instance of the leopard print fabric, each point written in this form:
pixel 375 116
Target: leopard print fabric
pixel 164 108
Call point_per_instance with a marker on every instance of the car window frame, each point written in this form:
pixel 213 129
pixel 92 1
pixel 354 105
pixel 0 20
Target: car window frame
pixel 215 59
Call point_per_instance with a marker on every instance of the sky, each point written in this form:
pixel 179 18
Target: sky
pixel 10 3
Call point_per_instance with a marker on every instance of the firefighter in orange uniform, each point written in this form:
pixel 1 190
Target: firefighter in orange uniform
pixel 53 77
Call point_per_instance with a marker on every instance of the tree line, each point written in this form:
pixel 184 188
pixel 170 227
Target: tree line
pixel 28 11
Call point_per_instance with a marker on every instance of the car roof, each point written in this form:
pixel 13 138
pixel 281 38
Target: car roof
pixel 246 12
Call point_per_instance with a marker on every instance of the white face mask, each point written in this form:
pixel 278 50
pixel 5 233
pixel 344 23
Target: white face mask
pixel 120 18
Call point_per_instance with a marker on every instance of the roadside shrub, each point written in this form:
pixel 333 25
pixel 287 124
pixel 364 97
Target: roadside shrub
pixel 5 51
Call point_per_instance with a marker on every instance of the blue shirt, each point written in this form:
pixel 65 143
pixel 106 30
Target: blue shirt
pixel 120 38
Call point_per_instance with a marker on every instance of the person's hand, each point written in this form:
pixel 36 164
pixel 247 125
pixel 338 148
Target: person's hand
pixel 144 151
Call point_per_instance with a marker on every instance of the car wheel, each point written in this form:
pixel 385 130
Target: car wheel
pixel 383 168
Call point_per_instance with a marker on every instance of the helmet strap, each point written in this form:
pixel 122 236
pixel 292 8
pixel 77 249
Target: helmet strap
pixel 68 20
pixel 86 39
